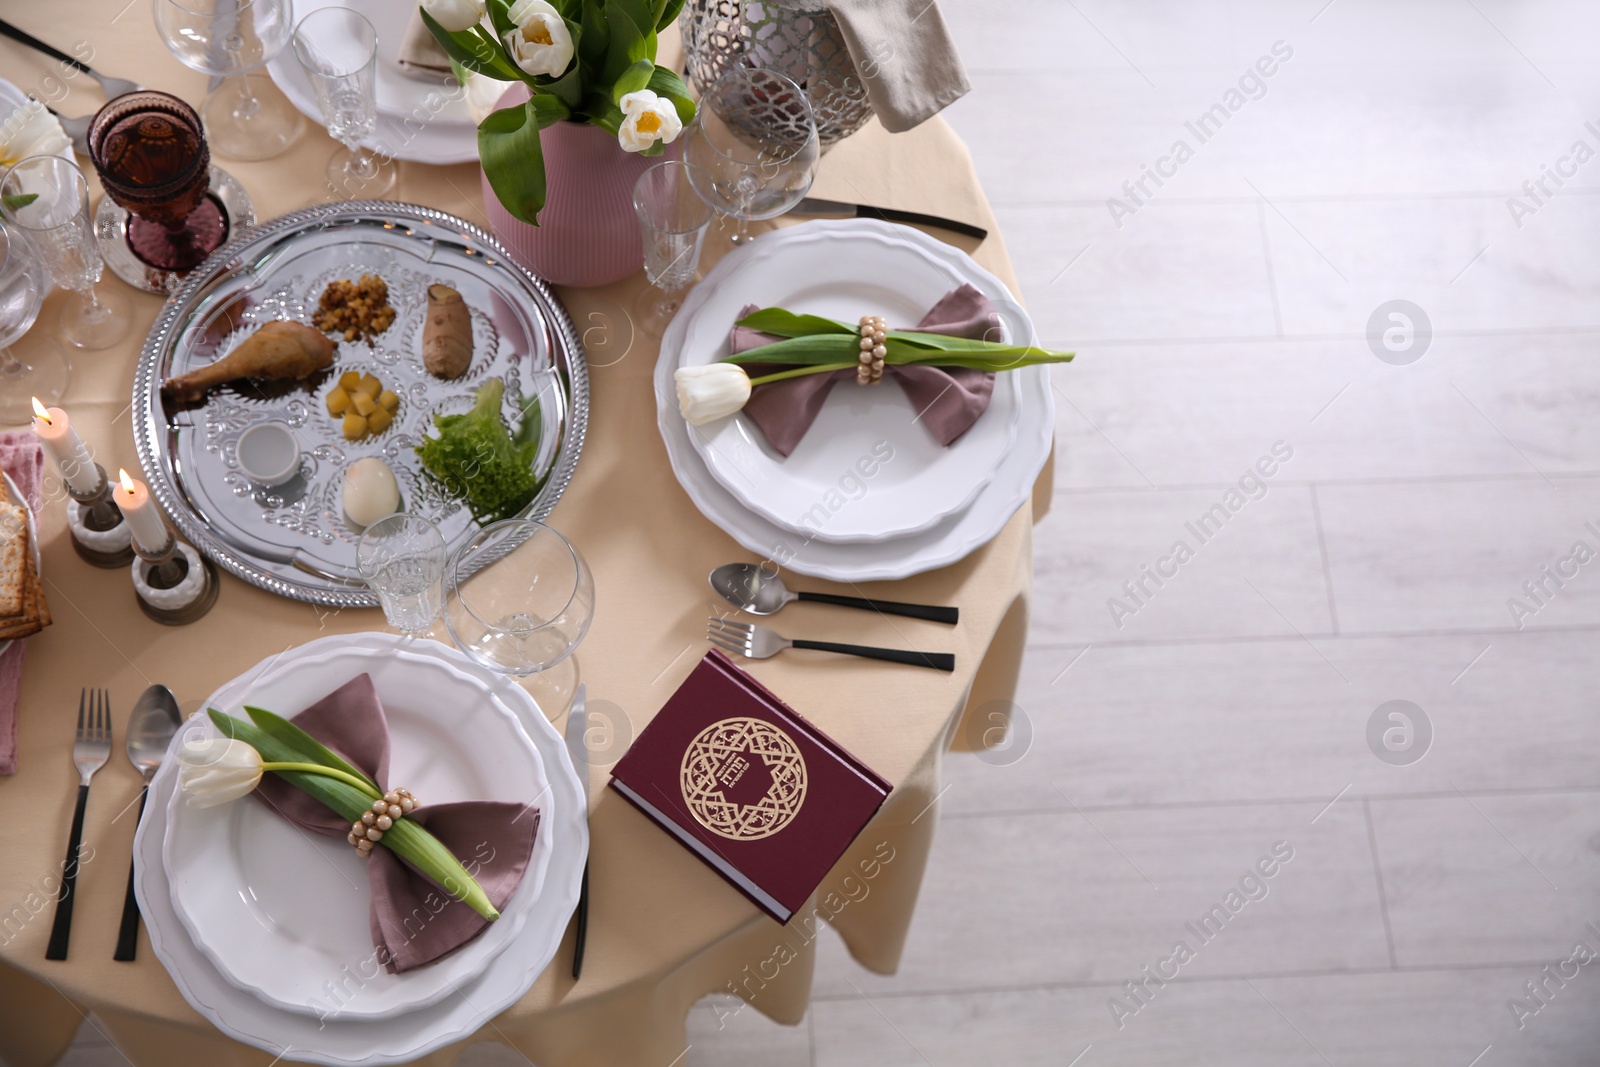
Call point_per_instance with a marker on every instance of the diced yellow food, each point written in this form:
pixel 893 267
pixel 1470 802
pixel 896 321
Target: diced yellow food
pixel 370 385
pixel 379 421
pixel 355 427
pixel 363 404
pixel 338 401
pixel 349 380
pixel 388 401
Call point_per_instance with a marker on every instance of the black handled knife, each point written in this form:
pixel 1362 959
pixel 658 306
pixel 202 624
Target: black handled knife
pixel 837 208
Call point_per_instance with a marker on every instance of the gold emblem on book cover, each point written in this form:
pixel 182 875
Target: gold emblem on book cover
pixel 743 778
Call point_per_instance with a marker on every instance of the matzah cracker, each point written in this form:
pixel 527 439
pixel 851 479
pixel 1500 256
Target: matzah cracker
pixel 15 561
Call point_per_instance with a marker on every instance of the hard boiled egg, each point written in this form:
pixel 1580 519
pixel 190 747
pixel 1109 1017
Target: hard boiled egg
pixel 370 491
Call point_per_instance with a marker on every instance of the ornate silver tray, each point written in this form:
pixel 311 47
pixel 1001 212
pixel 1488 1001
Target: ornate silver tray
pixel 294 539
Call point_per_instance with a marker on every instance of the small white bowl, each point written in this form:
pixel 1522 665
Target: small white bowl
pixel 269 454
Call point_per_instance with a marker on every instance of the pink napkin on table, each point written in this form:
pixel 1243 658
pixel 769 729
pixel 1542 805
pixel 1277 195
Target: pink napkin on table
pixel 20 457
pixel 413 920
pixel 949 399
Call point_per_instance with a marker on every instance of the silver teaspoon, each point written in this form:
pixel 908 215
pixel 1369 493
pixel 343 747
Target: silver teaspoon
pixel 747 587
pixel 155 719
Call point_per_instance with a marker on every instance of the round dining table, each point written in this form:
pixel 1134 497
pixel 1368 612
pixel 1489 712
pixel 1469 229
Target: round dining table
pixel 664 930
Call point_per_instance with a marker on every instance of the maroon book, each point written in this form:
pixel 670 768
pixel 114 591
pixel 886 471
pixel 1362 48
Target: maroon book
pixel 762 796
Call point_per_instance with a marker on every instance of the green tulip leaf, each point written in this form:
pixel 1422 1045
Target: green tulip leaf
pixel 474 52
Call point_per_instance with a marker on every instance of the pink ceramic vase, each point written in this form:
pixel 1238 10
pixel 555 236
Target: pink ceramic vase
pixel 587 233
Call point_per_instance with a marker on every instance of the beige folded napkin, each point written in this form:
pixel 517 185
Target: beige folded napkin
pixel 420 56
pixel 907 61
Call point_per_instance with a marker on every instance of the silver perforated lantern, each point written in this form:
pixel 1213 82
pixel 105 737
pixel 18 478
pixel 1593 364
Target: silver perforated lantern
pixel 798 38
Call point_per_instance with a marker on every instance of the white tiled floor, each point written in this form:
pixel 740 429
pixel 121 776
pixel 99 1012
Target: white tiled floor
pixel 1168 755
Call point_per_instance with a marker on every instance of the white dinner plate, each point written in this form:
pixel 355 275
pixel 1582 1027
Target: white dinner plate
pixel 286 929
pixel 420 121
pixel 1009 487
pixel 355 1042
pixel 868 469
pixel 33 535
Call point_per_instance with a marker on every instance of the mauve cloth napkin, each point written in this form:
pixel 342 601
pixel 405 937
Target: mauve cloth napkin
pixel 905 56
pixel 950 399
pixel 413 920
pixel 20 457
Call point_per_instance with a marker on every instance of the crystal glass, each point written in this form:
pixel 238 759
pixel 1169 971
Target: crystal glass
pixel 245 116
pixel 673 220
pixel 21 290
pixel 530 603
pixel 402 559
pixel 754 140
pixel 151 154
pixel 56 223
pixel 338 50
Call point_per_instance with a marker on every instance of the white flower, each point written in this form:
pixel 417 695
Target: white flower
pixel 711 392
pixel 540 44
pixel 31 130
pixel 455 15
pixel 650 118
pixel 215 770
pixel 483 95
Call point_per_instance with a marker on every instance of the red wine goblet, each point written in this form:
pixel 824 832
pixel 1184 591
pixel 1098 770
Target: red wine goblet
pixel 150 151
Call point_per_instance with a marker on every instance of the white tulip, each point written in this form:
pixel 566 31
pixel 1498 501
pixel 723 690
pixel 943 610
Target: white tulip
pixel 215 770
pixel 540 44
pixel 31 130
pixel 455 15
pixel 483 95
pixel 712 391
pixel 650 118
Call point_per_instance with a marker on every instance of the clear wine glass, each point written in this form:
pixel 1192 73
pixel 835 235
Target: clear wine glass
pixel 338 50
pixel 754 140
pixel 673 220
pixel 21 291
pixel 47 199
pixel 245 117
pixel 518 597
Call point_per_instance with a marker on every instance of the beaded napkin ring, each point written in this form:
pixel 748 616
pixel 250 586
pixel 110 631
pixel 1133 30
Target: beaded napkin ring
pixel 385 812
pixel 874 331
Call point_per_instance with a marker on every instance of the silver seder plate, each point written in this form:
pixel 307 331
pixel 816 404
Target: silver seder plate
pixel 294 540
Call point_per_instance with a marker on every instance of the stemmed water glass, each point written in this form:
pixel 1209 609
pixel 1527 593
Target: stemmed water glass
pixel 21 290
pixel 518 597
pixel 754 140
pixel 673 220
pixel 338 50
pixel 231 38
pixel 47 198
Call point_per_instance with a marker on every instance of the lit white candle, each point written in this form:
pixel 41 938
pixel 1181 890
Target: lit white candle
pixel 144 519
pixel 67 450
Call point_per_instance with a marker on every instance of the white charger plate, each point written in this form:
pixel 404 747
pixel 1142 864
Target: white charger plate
pixel 33 536
pixel 1009 487
pixel 420 121
pixel 342 1042
pixel 287 929
pixel 899 274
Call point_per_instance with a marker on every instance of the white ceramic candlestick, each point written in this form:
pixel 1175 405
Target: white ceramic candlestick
pixel 175 584
pixel 98 533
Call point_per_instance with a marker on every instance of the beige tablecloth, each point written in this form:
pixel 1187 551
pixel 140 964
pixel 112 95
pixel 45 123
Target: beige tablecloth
pixel 664 930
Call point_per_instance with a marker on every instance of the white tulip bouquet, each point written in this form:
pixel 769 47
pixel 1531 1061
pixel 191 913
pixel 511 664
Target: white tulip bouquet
pixel 589 61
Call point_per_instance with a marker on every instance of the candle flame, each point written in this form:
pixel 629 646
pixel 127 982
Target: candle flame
pixel 41 411
pixel 127 482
